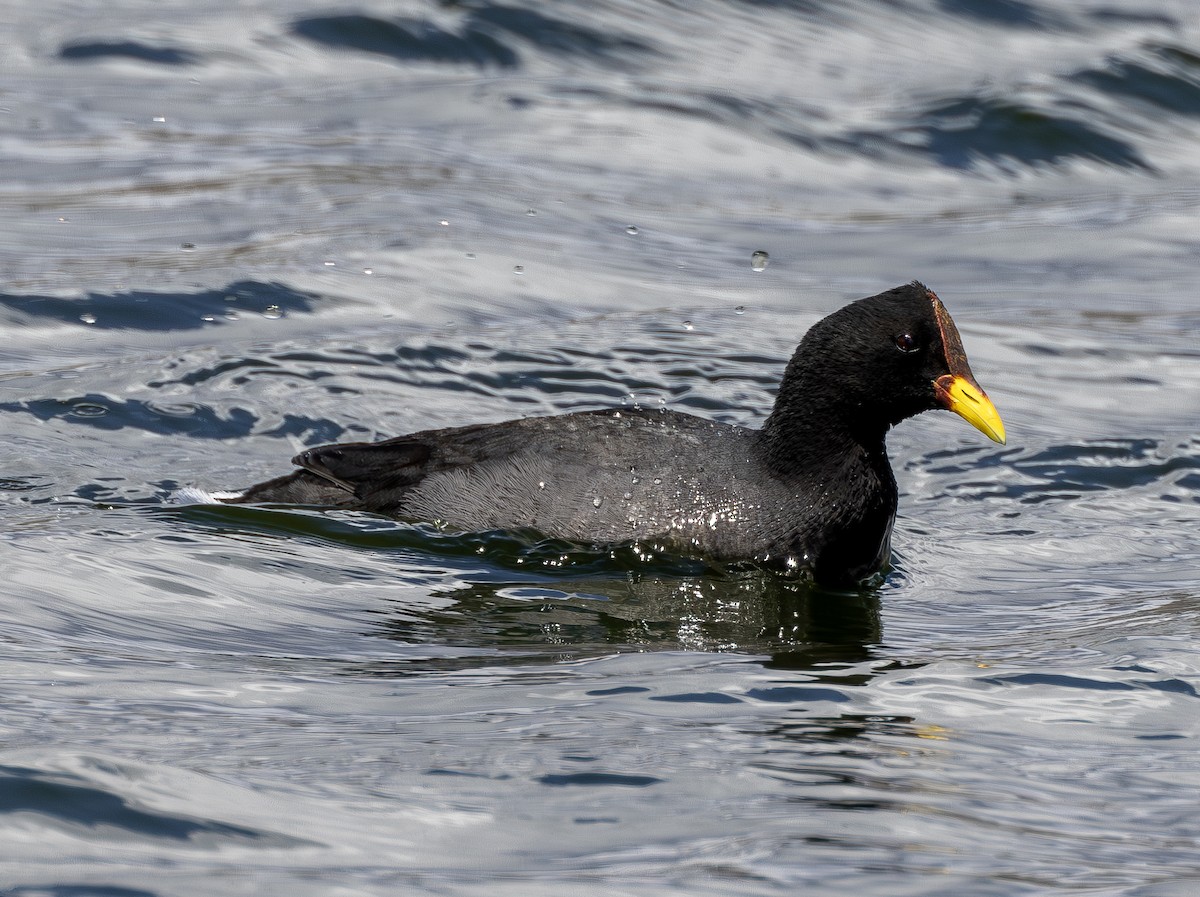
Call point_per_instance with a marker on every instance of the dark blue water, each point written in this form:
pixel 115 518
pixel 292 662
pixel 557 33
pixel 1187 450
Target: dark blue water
pixel 235 231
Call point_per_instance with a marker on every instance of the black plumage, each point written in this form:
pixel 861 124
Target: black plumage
pixel 812 489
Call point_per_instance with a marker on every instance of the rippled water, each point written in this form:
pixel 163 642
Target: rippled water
pixel 236 231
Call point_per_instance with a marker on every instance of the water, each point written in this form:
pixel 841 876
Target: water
pixel 237 231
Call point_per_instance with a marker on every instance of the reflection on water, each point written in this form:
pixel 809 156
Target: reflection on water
pixel 545 600
pixel 753 612
pixel 150 310
pixel 72 802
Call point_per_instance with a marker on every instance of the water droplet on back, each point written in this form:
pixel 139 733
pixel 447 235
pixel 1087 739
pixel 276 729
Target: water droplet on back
pixel 632 230
pixel 759 260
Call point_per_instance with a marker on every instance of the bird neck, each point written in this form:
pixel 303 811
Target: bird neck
pixel 808 432
pixel 845 486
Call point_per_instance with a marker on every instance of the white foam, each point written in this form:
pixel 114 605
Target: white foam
pixel 191 495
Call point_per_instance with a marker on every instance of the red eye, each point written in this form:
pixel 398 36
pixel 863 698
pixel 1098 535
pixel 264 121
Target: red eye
pixel 906 342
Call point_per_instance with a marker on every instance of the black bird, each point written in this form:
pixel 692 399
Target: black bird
pixel 812 490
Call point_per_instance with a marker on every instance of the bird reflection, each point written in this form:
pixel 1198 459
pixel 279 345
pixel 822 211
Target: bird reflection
pixel 796 624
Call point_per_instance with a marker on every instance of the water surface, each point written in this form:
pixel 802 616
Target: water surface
pixel 238 231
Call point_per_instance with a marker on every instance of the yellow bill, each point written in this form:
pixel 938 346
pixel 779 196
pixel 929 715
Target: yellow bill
pixel 965 398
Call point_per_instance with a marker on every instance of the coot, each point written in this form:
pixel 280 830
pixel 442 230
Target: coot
pixel 812 490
